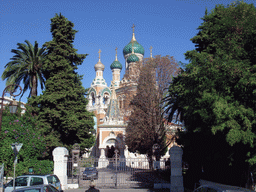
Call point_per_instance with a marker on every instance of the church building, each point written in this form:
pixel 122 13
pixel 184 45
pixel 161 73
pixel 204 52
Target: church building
pixel 110 105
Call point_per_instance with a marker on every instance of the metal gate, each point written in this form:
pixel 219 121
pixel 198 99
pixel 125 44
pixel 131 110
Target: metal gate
pixel 114 172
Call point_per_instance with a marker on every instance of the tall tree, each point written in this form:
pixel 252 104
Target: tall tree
pixel 61 109
pixel 146 123
pixel 26 65
pixel 215 93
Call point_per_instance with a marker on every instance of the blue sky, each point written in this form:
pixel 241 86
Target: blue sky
pixel 166 25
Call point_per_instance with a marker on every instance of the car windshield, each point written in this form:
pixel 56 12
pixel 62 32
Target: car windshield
pixel 20 181
pixel 89 169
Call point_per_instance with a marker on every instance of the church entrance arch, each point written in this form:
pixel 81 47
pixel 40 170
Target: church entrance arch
pixel 111 147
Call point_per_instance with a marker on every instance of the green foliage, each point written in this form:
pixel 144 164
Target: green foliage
pixel 23 130
pixel 215 93
pixel 26 65
pixel 61 110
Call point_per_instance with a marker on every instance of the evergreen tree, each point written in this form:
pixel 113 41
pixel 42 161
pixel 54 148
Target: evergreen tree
pixel 215 94
pixel 61 109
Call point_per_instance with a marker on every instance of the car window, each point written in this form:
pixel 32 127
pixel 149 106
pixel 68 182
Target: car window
pixel 36 181
pixel 20 181
pixel 202 189
pixel 30 190
pixel 212 190
pixel 52 179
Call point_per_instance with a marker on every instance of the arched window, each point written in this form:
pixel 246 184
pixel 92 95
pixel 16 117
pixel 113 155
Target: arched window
pixel 120 102
pixel 123 102
pixel 106 98
pixel 93 98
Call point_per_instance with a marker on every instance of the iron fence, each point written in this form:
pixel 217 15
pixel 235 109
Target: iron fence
pixel 118 172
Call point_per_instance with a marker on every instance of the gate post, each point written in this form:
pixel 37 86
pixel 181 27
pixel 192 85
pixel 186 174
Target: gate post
pixel 176 178
pixel 60 158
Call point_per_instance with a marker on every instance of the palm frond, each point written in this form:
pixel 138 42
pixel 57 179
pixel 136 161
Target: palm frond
pixel 26 62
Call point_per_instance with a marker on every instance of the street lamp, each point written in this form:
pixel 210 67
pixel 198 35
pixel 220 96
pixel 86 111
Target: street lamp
pixel 14 104
pixel 116 156
pixel 16 148
pixel 156 153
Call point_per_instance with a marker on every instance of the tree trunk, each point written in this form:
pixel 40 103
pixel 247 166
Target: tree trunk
pixel 34 86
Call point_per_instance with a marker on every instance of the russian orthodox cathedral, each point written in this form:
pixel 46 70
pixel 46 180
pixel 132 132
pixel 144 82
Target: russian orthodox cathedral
pixel 110 105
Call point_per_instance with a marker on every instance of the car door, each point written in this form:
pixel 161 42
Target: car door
pixel 201 189
pixel 54 180
pixel 19 183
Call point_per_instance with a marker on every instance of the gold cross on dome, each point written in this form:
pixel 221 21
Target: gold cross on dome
pixel 151 51
pixel 133 26
pixel 116 53
pixel 99 53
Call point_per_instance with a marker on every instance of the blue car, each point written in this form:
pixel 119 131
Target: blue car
pixel 90 173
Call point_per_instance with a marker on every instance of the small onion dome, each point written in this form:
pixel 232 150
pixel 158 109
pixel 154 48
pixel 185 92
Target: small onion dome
pixel 99 66
pixel 116 65
pixel 132 58
pixel 137 47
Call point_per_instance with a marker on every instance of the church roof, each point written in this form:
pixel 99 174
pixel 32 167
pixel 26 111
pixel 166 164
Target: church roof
pixel 116 65
pixel 137 48
pixel 132 58
pixel 113 108
pixel 99 66
pixel 133 43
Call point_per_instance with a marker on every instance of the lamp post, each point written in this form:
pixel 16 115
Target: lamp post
pixel 16 148
pixel 116 156
pixel 156 152
pixel 14 105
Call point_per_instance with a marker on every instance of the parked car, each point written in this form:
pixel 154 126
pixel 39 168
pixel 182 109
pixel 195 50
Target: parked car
pixel 90 173
pixel 211 188
pixel 38 188
pixel 208 186
pixel 31 180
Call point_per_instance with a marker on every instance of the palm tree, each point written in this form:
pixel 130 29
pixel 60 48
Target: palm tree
pixel 26 65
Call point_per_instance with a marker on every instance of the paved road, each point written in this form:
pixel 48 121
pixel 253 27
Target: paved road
pixel 121 190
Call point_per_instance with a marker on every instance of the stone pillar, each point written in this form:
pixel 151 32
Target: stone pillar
pixel 102 153
pixel 176 178
pixel 60 158
pixel 103 162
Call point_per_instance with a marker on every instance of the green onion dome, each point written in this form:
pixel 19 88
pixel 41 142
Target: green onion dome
pixel 132 58
pixel 137 47
pixel 116 65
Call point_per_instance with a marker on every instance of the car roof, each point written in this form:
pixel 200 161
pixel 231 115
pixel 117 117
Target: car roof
pixel 222 187
pixel 42 175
